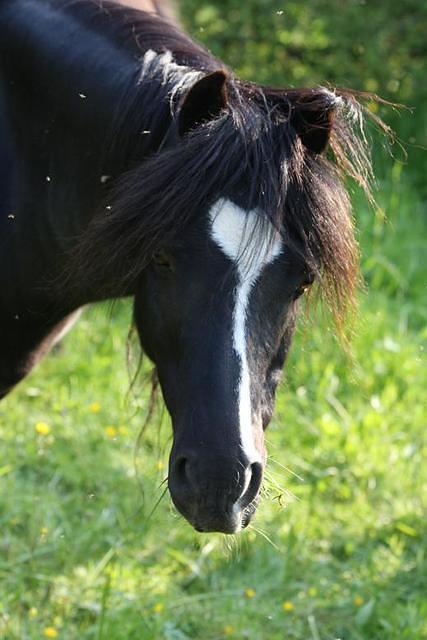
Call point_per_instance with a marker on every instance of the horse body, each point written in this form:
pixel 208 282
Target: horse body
pixel 64 138
pixel 136 165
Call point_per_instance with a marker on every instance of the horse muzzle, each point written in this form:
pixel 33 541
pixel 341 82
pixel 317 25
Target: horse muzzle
pixel 215 494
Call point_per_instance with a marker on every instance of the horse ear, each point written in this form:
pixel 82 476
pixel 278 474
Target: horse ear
pixel 203 102
pixel 312 117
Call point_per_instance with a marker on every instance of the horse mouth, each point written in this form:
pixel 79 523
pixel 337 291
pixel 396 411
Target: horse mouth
pixel 213 521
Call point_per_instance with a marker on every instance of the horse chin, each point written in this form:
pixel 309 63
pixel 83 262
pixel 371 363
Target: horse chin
pixel 214 521
pixel 229 526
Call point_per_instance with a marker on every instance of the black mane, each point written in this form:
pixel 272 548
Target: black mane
pixel 253 142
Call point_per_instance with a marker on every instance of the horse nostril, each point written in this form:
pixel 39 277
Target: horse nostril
pixel 180 472
pixel 252 485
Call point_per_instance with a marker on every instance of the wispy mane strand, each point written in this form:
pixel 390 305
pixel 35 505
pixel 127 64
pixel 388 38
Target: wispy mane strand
pixel 252 143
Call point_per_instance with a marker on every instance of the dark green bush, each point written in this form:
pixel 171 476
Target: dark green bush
pixel 367 45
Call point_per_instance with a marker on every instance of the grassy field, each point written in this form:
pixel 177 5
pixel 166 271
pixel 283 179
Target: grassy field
pixel 90 547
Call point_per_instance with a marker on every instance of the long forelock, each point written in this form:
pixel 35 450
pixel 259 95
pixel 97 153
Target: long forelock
pixel 250 146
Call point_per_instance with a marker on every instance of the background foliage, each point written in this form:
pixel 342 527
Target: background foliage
pixel 367 45
pixel 338 548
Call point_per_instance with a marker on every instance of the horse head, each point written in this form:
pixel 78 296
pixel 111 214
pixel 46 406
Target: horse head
pixel 216 305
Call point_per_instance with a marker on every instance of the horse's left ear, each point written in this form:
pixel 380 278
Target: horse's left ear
pixel 312 116
pixel 203 102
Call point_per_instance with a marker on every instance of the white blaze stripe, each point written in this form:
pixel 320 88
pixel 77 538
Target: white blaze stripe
pixel 249 244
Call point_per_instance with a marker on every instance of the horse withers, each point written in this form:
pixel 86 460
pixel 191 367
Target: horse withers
pixel 134 163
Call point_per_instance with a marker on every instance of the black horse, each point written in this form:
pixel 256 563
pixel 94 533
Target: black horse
pixel 134 163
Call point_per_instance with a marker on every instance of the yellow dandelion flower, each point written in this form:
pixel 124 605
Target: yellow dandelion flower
pixel 94 407
pixel 50 632
pixel 159 465
pixel 44 531
pixel 250 593
pixel 228 629
pixel 287 606
pixel 42 428
pixel 33 612
pixel 158 607
pixel 110 431
pixel 358 601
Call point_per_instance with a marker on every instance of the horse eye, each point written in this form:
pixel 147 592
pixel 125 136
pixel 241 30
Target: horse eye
pixel 298 293
pixel 161 259
pixel 303 288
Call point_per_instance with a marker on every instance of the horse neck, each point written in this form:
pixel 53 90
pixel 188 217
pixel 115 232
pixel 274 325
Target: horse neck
pixel 65 103
pixel 67 91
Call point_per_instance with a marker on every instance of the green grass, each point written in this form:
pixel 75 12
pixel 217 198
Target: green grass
pixel 340 535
